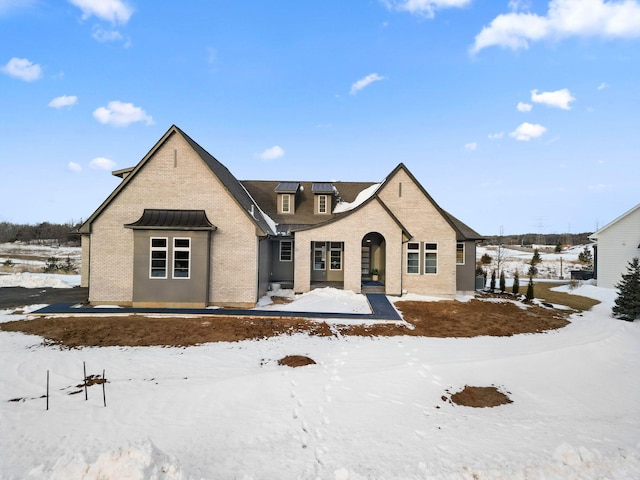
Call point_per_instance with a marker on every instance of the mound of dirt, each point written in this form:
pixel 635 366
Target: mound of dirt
pixel 296 361
pixel 479 397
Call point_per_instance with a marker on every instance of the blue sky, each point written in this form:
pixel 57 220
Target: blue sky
pixel 516 116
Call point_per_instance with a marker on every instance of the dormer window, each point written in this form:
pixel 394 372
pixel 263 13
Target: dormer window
pixel 322 193
pixel 285 200
pixel 322 204
pixel 287 196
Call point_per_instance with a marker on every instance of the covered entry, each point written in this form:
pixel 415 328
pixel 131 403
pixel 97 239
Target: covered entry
pixel 327 264
pixel 373 261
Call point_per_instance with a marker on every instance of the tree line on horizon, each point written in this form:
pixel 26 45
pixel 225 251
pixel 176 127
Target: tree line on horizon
pixel 529 239
pixel 45 232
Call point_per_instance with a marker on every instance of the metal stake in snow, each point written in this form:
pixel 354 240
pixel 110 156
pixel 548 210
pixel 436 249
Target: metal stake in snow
pixel 104 397
pixel 86 395
pixel 47 390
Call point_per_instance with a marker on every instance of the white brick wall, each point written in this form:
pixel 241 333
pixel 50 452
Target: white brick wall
pixel 421 218
pixel 164 183
pixel 351 230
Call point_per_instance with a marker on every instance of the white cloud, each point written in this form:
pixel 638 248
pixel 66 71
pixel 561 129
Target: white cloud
pixel 603 86
pixel 524 107
pixel 565 18
pixel 271 153
pixel 519 5
pixel 121 114
pixel 23 69
pixel 471 147
pixel 102 163
pixel 104 36
pixel 6 5
pixel 426 8
pixel 495 136
pixel 559 98
pixel 600 187
pixel 363 82
pixel 526 131
pixel 74 167
pixel 114 11
pixel 63 101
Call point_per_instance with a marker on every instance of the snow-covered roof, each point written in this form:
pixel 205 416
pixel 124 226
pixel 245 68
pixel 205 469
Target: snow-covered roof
pixel 362 197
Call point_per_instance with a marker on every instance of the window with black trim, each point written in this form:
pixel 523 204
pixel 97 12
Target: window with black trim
pixel 286 250
pixel 430 258
pixel 460 253
pixel 335 256
pixel 319 256
pixel 181 258
pixel 159 250
pixel 413 257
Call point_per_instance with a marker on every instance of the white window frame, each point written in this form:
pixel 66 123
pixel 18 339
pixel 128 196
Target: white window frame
pixel 460 244
pixel 320 247
pixel 333 248
pixel 427 251
pixel 173 263
pixel 164 249
pixel 288 203
pixel 290 242
pixel 413 251
pixel 321 199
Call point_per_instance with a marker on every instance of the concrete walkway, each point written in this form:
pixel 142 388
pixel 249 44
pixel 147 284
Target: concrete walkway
pixel 381 308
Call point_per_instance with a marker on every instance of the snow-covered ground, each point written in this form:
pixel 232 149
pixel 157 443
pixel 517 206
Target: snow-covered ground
pixel 25 257
pixel 371 408
pixel 553 265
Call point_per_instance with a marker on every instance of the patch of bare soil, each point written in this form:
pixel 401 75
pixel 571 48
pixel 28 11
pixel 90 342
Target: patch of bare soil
pixel 428 319
pixel 296 361
pixel 479 397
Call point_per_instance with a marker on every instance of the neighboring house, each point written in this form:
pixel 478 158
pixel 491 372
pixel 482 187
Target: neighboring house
pixel 617 243
pixel 181 231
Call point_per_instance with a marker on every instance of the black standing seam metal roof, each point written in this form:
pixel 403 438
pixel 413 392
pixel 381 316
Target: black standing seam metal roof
pixel 287 187
pixel 172 220
pixel 322 187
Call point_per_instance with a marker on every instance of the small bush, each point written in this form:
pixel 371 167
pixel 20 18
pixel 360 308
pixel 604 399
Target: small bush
pixel 53 265
pixel 516 283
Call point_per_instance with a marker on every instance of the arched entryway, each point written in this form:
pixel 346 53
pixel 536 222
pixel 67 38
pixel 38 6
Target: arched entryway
pixel 373 263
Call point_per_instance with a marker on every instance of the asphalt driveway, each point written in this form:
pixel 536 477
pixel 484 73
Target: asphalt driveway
pixel 11 297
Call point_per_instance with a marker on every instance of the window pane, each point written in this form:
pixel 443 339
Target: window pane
pixel 181 243
pixel 159 242
pixel 336 260
pixel 460 253
pixel 286 251
pixel 413 246
pixel 431 263
pixel 413 263
pixel 322 203
pixel 158 272
pixel 318 260
pixel 430 246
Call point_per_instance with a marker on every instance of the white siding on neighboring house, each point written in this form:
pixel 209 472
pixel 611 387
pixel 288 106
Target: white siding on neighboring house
pixel 618 243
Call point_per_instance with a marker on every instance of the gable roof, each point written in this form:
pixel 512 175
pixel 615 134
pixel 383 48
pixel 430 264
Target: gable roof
pixel 594 236
pixel 230 183
pixel 463 231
